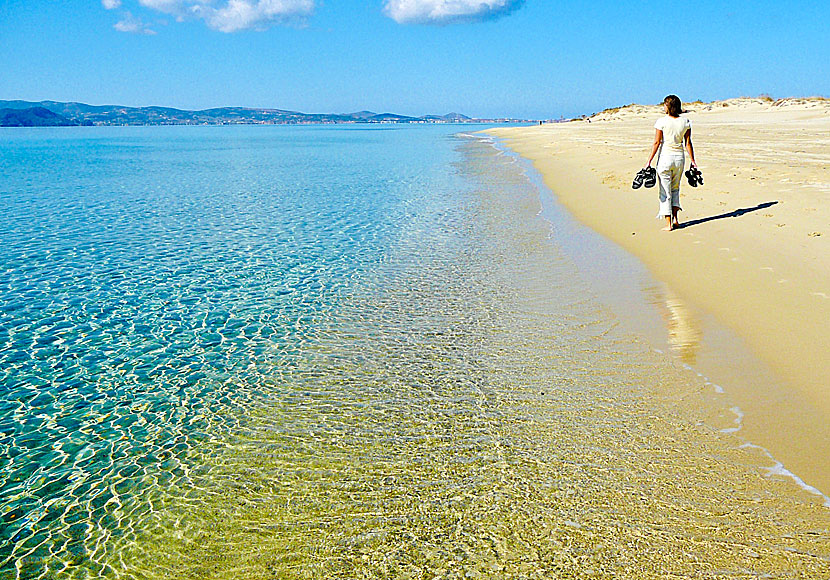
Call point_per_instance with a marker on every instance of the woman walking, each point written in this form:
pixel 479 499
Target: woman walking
pixel 673 132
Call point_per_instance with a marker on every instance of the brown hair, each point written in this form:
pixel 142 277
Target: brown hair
pixel 673 105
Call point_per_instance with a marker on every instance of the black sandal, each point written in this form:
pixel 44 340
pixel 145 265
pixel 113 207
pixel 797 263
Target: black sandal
pixel 639 178
pixel 651 177
pixel 692 177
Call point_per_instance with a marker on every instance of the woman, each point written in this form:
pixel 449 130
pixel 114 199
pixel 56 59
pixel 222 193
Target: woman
pixel 673 132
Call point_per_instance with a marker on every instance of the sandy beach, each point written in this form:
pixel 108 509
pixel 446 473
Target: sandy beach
pixel 753 249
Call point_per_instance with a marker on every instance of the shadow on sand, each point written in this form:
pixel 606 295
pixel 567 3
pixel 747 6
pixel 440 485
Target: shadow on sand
pixel 731 214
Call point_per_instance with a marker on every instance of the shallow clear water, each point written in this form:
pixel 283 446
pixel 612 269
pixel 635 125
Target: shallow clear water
pixel 314 352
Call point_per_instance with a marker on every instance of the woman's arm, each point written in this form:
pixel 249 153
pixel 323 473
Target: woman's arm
pixel 689 147
pixel 658 138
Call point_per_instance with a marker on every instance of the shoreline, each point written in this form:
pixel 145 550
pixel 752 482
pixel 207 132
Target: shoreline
pixel 752 253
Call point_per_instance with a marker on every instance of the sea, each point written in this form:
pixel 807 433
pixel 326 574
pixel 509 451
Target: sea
pixel 352 352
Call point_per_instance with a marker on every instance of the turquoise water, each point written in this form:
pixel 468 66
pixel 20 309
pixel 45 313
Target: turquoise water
pixel 151 279
pixel 316 352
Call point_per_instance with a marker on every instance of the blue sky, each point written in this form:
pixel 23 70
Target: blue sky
pixel 531 58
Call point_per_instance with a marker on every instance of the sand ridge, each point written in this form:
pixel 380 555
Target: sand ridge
pixel 754 249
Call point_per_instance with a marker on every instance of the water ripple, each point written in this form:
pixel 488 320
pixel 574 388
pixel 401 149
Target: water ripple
pixel 327 353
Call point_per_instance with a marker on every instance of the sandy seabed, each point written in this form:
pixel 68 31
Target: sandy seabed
pixel 476 413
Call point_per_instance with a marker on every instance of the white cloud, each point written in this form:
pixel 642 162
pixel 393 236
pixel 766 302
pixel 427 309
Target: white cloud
pixel 243 14
pixel 233 15
pixel 111 4
pixel 446 11
pixel 133 25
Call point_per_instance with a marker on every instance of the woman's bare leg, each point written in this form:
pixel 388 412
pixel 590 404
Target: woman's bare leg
pixel 668 227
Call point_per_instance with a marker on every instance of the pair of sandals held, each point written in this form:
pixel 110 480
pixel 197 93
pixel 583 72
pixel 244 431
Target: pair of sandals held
pixel 694 176
pixel 646 176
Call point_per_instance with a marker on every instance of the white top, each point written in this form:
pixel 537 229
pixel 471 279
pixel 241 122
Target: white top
pixel 674 130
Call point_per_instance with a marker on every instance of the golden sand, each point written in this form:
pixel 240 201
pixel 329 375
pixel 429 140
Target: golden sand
pixel 754 250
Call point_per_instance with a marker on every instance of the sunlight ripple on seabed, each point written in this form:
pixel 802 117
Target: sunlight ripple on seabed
pixel 462 408
pixel 472 412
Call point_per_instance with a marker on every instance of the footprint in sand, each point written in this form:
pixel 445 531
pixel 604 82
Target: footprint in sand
pixel 820 295
pixel 814 234
pixel 724 249
pixel 783 281
pixel 768 268
pixel 781 225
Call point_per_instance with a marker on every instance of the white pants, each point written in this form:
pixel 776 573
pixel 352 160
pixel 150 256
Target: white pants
pixel 669 174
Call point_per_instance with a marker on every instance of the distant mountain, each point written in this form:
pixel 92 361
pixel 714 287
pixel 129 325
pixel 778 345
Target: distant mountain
pixel 450 118
pixel 32 117
pixel 83 114
pixel 392 118
pixel 361 115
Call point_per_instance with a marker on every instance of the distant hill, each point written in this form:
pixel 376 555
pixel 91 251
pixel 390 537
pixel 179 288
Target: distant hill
pixel 83 114
pixel 361 114
pixel 451 118
pixel 33 117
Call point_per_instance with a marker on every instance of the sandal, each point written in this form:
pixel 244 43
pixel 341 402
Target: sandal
pixel 639 178
pixel 651 177
pixel 692 177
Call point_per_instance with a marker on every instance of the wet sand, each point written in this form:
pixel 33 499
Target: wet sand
pixel 753 250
